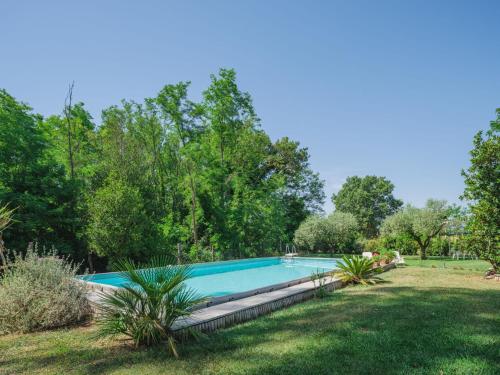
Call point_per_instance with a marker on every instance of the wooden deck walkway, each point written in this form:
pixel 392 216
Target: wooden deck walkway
pixel 212 318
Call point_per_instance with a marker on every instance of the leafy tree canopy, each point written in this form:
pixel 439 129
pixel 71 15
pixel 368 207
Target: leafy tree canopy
pixel 33 182
pixel 482 191
pixel 336 233
pixel 369 199
pixel 153 175
pixel 420 224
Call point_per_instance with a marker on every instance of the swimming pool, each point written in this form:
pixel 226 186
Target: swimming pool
pixel 239 277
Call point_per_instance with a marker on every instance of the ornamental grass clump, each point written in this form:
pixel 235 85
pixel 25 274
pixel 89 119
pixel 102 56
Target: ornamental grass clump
pixel 319 280
pixel 39 292
pixel 146 308
pixel 357 270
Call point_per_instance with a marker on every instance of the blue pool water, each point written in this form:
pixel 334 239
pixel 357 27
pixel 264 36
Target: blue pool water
pixel 222 278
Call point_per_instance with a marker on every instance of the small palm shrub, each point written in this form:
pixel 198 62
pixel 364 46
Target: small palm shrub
pixel 146 308
pixel 357 270
pixel 38 292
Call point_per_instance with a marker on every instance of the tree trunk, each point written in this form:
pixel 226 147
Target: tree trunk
pixel 423 252
pixel 2 254
pixel 222 182
pixel 193 206
pixel 179 253
pixel 90 262
pixel 67 114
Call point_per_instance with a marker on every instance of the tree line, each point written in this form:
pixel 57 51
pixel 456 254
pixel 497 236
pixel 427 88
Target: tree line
pixel 368 217
pixel 166 174
pixel 202 180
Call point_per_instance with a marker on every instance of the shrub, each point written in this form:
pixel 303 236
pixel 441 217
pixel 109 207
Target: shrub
pixel 371 245
pixel 357 270
pixel 440 246
pixel 146 309
pixel 402 243
pixel 39 292
pixel 387 255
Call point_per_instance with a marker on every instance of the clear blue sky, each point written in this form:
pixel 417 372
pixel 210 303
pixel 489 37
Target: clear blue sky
pixel 392 88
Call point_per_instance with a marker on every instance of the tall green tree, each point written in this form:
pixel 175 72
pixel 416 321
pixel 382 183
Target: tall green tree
pixel 302 191
pixel 119 226
pixel 32 181
pixel 182 118
pixel 79 155
pixel 227 111
pixel 482 191
pixel 72 142
pixel 155 175
pixel 370 199
pixel 420 224
pixel 132 187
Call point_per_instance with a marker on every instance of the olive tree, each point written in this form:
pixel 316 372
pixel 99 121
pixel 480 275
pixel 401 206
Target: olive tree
pixel 336 232
pixel 420 224
pixel 309 233
pixel 343 229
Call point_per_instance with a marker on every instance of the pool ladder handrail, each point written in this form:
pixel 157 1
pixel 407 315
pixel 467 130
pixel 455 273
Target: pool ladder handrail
pixel 290 253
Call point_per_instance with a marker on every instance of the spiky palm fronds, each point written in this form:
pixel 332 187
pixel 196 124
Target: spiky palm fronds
pixel 357 270
pixel 153 299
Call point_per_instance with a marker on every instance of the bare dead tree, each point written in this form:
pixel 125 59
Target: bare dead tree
pixel 73 144
pixel 68 105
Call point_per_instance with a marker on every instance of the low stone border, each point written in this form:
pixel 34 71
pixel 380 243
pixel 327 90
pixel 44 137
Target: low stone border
pixel 96 287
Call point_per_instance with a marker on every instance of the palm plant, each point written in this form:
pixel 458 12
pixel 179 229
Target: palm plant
pixel 357 270
pixel 146 308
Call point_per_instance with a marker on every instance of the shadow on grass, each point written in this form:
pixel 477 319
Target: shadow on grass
pixel 375 330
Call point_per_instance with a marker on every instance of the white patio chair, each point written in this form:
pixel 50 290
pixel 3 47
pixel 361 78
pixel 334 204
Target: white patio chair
pixel 399 259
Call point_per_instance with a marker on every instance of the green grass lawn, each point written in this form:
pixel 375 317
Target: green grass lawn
pixel 420 320
pixel 447 262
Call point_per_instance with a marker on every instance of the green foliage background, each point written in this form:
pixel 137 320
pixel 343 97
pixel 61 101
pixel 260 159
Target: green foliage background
pixel 482 192
pixel 153 175
pixel 204 177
